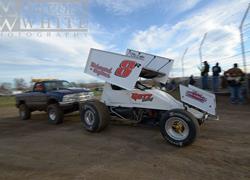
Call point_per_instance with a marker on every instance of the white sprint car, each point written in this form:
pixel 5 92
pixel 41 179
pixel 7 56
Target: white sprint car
pixel 126 97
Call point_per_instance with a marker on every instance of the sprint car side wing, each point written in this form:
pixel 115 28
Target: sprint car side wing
pixel 199 99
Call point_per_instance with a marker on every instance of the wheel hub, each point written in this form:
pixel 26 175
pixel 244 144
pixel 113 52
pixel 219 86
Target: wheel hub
pixel 89 117
pixel 52 115
pixel 22 113
pixel 177 128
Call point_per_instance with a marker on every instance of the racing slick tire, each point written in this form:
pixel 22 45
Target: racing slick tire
pixel 55 114
pixel 95 115
pixel 179 127
pixel 24 112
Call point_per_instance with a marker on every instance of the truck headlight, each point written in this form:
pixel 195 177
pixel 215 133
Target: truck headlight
pixel 77 97
pixel 85 96
pixel 69 98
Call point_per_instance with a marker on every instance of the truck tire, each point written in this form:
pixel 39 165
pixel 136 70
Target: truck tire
pixel 95 116
pixel 55 114
pixel 24 112
pixel 179 127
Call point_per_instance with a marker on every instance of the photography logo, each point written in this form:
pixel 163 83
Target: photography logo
pixel 9 16
pixel 43 16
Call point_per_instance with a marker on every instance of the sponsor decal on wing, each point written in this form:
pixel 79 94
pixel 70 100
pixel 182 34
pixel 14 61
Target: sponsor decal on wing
pixel 196 96
pixel 100 70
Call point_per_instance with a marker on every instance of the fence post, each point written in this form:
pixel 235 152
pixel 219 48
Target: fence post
pixel 200 48
pixel 243 47
pixel 182 62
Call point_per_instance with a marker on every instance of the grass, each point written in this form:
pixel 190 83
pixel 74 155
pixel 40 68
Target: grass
pixel 7 101
pixel 97 93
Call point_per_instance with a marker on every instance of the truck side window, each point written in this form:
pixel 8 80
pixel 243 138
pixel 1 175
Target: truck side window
pixel 39 87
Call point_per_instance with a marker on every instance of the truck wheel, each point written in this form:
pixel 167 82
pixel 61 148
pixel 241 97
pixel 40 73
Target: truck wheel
pixel 24 112
pixel 95 116
pixel 55 114
pixel 179 127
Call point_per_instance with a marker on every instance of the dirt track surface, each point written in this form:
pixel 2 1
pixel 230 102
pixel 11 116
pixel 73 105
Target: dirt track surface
pixel 34 149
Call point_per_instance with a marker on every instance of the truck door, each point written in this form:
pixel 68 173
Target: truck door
pixel 39 97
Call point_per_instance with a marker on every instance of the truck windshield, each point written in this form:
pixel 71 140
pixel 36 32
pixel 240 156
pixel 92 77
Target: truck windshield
pixel 54 85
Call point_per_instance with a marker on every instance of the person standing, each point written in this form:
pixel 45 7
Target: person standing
pixel 191 80
pixel 235 76
pixel 216 75
pixel 204 75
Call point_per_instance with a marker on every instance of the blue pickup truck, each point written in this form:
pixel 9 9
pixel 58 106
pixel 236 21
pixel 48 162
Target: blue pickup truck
pixel 56 97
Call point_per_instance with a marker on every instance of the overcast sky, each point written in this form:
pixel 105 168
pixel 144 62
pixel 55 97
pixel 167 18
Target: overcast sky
pixel 162 27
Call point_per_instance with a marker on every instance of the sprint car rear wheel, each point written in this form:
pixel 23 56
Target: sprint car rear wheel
pixel 179 127
pixel 94 116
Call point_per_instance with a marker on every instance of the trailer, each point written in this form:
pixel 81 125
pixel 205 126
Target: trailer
pixel 127 97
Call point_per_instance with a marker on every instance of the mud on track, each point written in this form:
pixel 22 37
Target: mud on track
pixel 34 149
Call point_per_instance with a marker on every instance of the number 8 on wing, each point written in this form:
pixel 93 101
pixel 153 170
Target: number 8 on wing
pixel 125 68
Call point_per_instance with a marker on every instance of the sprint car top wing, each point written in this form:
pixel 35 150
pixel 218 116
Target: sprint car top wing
pixel 117 69
pixel 154 64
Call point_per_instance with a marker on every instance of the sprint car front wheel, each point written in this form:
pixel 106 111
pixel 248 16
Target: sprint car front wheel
pixel 94 115
pixel 179 127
